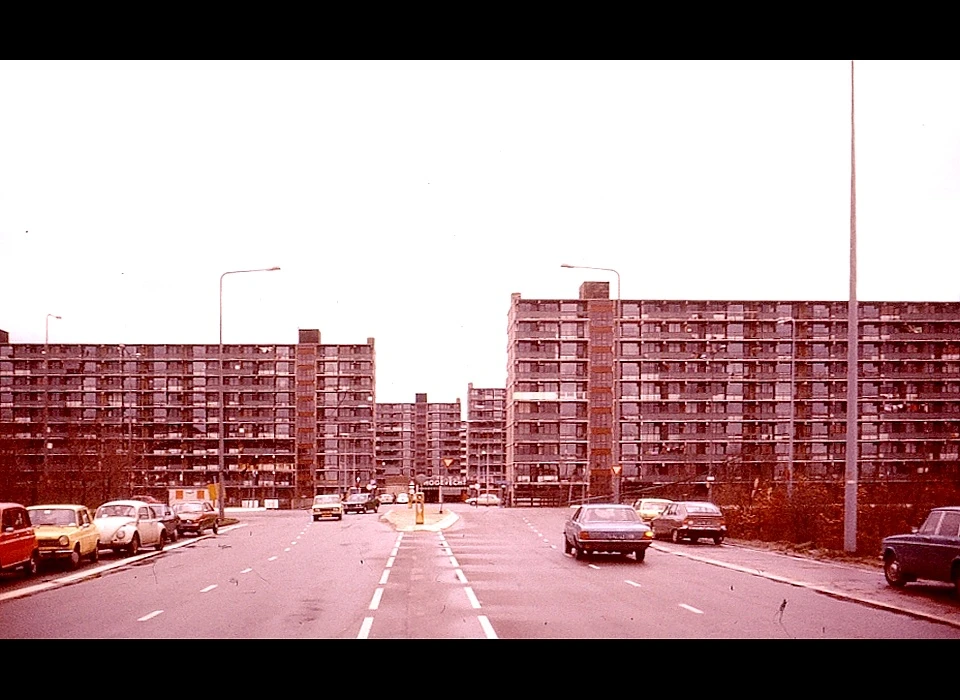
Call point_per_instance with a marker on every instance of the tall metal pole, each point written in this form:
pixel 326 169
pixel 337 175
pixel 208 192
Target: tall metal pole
pixel 853 369
pixel 221 486
pixel 46 405
pixel 793 398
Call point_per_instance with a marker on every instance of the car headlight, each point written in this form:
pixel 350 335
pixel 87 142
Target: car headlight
pixel 121 533
pixel 63 541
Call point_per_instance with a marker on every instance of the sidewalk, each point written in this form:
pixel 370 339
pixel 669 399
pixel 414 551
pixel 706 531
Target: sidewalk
pixel 404 518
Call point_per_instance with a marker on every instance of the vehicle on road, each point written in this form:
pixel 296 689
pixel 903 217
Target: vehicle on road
pixel 606 527
pixel 385 498
pixel 170 520
pixel 690 520
pixel 327 505
pixel 127 525
pixel 361 503
pixel 649 508
pixel 930 552
pixel 402 498
pixel 484 499
pixel 18 540
pixel 197 516
pixel 66 533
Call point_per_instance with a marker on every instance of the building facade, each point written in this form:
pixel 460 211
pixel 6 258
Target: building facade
pixel 485 439
pixel 700 391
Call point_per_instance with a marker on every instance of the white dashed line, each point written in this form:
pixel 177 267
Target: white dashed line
pixel 593 566
pixel 390 561
pixel 473 599
pixel 632 583
pixel 691 609
pixel 487 627
pixel 246 571
pixel 272 559
pixel 384 577
pixel 208 588
pixel 365 628
pixel 150 616
pixel 377 595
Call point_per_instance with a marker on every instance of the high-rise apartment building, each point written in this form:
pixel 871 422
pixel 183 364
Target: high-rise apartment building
pixel 700 391
pixel 485 437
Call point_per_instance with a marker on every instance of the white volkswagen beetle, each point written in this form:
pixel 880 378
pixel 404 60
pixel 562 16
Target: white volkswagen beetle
pixel 126 526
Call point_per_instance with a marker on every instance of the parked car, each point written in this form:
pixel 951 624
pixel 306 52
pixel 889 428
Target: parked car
pixel 18 540
pixel 327 505
pixel 484 499
pixel 170 520
pixel 690 520
pixel 930 552
pixel 402 498
pixel 197 516
pixel 66 533
pixel 385 498
pixel 127 525
pixel 361 503
pixel 606 527
pixel 649 508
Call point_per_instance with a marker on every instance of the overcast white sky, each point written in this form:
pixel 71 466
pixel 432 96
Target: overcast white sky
pixel 406 201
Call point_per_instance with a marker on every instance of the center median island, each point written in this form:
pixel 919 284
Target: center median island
pixel 405 519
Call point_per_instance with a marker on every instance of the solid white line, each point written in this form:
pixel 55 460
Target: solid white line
pixel 208 588
pixel 384 577
pixel 487 627
pixel 453 561
pixel 632 583
pixel 246 571
pixel 448 551
pixel 691 609
pixel 463 579
pixel 377 595
pixel 473 599
pixel 150 616
pixel 271 559
pixel 365 628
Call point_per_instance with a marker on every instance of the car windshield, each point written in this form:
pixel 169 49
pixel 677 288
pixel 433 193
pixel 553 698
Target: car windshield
pixel 601 515
pixel 326 498
pixel 703 508
pixel 53 516
pixel 116 510
pixel 354 497
pixel 188 508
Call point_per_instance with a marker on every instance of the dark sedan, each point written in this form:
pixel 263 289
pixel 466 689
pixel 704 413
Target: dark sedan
pixel 691 520
pixel 197 516
pixel 932 552
pixel 606 527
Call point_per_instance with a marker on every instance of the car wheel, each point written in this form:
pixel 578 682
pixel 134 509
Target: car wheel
pixel 32 565
pixel 675 536
pixel 640 554
pixel 215 528
pixel 718 540
pixel 95 554
pixel 74 561
pixel 893 571
pixel 339 517
pixel 134 547
pixel 175 536
pixel 579 552
pixel 163 541
pixel 566 545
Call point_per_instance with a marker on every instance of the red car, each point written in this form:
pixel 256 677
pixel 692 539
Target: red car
pixel 197 516
pixel 18 541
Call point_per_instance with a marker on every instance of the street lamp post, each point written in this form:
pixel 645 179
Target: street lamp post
pixel 221 486
pixel 46 404
pixel 793 395
pixel 616 467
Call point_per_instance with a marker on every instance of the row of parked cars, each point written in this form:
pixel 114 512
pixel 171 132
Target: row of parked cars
pixel 71 533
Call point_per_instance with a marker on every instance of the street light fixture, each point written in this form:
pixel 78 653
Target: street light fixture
pixel 221 487
pixel 46 403
pixel 617 466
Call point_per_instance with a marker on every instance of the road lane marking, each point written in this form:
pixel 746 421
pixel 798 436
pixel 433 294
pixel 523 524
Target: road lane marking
pixel 459 572
pixel 473 599
pixel 377 595
pixel 593 566
pixel 632 583
pixel 365 628
pixel 487 627
pixel 286 549
pixel 150 616
pixel 384 577
pixel 246 571
pixel 390 561
pixel 453 561
pixel 691 609
pixel 208 588
pixel 272 558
